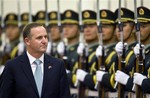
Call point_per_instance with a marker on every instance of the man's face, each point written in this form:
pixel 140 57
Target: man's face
pixel 90 32
pixel 145 31
pixel 55 34
pixel 12 32
pixel 108 32
pixel 38 40
pixel 127 30
pixel 70 31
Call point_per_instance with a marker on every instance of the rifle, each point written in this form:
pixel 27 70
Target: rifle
pixel 139 58
pixel 125 3
pixel 19 15
pixel 2 13
pixel 121 56
pixel 64 56
pixel 83 58
pixel 46 13
pixel 47 27
pixel 109 4
pixel 141 2
pixel 30 11
pixel 101 59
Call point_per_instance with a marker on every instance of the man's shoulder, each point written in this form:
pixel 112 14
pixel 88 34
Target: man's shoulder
pixel 14 60
pixel 53 59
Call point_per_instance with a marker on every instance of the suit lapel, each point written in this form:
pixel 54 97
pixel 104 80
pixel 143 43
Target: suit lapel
pixel 28 71
pixel 47 68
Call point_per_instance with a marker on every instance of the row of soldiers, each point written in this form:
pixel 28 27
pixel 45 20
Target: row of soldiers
pixel 74 47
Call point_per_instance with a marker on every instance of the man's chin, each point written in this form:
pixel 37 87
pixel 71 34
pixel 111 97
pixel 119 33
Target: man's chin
pixel 43 50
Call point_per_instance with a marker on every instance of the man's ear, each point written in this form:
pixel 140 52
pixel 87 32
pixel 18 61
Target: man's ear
pixel 27 41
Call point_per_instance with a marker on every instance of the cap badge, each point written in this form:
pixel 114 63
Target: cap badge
pixel 11 17
pixel 141 11
pixel 53 16
pixel 86 14
pixel 68 14
pixel 104 14
pixel 41 15
pixel 25 17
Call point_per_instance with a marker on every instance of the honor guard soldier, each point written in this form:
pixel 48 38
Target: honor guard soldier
pixel 143 79
pixel 12 34
pixel 68 49
pixel 25 19
pixel 54 34
pixel 108 26
pixel 40 17
pixel 129 41
pixel 90 31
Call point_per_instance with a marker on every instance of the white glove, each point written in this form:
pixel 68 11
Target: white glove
pixel 61 48
pixel 81 75
pixel 119 47
pixel 1 69
pixel 99 51
pixel 67 71
pixel 136 49
pixel 48 51
pixel 80 49
pixel 21 48
pixel 138 78
pixel 121 77
pixel 99 75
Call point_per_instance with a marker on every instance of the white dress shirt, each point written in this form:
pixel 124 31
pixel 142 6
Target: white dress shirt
pixel 32 59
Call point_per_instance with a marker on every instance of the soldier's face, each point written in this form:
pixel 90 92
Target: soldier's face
pixel 108 32
pixel 12 32
pixel 37 41
pixel 90 33
pixel 55 35
pixel 127 30
pixel 145 31
pixel 71 31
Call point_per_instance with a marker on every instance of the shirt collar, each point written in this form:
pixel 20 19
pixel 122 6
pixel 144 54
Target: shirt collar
pixel 32 59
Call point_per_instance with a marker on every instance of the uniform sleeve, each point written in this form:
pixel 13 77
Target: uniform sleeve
pixel 146 85
pixel 71 79
pixel 88 81
pixel 129 85
pixel 108 81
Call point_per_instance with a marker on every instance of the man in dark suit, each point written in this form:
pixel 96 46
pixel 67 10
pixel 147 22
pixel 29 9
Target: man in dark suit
pixel 18 78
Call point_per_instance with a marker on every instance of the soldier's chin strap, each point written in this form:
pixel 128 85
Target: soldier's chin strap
pixel 131 32
pixel 146 37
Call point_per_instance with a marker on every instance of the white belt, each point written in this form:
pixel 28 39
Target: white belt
pixel 147 95
pixel 92 93
pixel 133 95
pixel 112 94
pixel 108 94
pixel 73 90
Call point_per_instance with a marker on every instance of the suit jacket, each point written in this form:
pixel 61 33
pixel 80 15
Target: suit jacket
pixel 17 80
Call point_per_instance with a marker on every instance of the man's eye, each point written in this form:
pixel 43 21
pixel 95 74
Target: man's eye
pixel 39 37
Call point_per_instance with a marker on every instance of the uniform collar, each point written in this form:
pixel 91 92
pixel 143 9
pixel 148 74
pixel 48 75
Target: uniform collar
pixel 93 44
